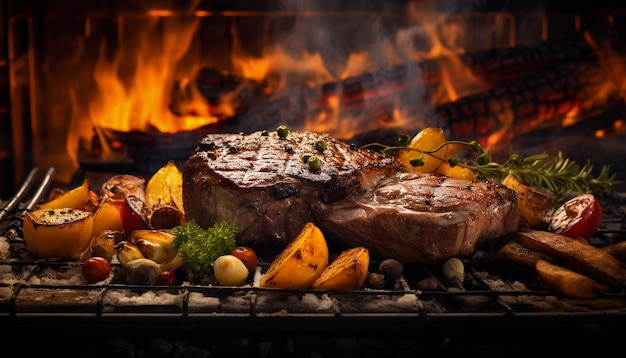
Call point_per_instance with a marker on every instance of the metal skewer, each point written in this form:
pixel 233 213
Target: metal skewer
pixel 45 184
pixel 19 196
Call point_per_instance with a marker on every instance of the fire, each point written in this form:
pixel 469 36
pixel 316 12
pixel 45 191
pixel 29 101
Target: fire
pixel 142 100
pixel 146 82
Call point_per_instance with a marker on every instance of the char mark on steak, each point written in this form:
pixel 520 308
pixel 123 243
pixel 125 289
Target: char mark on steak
pixel 260 183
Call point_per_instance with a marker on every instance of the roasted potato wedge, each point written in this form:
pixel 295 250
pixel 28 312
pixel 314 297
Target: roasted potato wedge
pixel 165 187
pixel 300 263
pixel 581 256
pixel 568 283
pixel 346 272
pixel 617 250
pixel 513 251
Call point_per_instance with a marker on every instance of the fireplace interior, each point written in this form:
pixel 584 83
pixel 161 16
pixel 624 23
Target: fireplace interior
pixel 128 85
pixel 105 87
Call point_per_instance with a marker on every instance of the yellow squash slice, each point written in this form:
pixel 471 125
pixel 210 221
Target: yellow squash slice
pixel 300 263
pixel 76 198
pixel 57 233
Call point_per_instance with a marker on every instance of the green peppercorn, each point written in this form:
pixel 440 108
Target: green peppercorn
pixel 418 162
pixel 314 163
pixel 320 146
pixel 305 157
pixel 282 131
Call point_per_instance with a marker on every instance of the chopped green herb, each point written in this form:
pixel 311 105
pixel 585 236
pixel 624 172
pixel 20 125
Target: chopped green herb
pixel 200 248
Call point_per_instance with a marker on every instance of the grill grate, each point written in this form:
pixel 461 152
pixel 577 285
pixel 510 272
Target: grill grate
pixel 506 294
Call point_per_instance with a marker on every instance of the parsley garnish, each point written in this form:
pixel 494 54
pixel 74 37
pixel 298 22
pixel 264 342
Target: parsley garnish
pixel 200 248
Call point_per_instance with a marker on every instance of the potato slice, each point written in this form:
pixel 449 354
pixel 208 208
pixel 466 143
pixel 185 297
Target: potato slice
pixel 300 263
pixel 158 188
pixel 581 256
pixel 568 283
pixel 76 198
pixel 347 272
pixel 165 187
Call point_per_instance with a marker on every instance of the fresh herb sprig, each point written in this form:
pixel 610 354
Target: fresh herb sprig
pixel 560 175
pixel 200 248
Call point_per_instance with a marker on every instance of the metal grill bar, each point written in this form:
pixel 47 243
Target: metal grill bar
pixel 54 291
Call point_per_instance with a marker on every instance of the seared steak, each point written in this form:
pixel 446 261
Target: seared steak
pixel 260 183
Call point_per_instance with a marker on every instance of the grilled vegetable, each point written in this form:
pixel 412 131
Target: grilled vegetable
pixel 454 271
pixel 230 270
pixel 107 216
pixel 127 252
pixel 457 171
pixel 513 251
pixel 575 254
pixel 156 245
pixel 135 214
pixel 166 216
pixel 535 204
pixel 568 283
pixel 300 263
pixel 76 198
pixel 57 233
pixel 347 272
pixel 142 272
pixel 103 245
pixel 96 269
pixel 579 217
pixel 165 187
pixel 428 139
pixel 247 256
pixel 167 278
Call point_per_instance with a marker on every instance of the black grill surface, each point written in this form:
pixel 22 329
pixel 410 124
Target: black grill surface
pixel 501 308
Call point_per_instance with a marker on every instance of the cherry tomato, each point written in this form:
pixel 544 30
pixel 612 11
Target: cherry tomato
pixel 167 278
pixel 96 269
pixel 579 217
pixel 247 256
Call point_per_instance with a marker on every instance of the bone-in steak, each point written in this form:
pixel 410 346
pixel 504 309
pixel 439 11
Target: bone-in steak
pixel 260 183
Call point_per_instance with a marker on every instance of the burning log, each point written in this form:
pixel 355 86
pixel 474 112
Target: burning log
pixel 493 66
pixel 540 100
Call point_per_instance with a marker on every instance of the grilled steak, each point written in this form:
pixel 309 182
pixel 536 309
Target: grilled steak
pixel 260 183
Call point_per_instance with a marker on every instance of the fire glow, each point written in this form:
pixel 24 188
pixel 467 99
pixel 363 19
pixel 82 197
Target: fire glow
pixel 147 84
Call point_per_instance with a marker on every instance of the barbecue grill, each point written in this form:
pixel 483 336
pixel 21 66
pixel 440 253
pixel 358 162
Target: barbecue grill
pixel 500 307
pixel 47 307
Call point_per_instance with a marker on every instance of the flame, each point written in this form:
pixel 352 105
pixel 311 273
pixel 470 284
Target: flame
pixel 148 85
pixel 141 101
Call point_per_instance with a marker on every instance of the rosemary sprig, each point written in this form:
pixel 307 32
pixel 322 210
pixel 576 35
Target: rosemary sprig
pixel 560 175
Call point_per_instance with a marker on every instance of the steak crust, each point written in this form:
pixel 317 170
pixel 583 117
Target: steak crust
pixel 260 183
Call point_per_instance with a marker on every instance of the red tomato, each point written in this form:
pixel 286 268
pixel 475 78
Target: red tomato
pixel 134 213
pixel 96 269
pixel 578 217
pixel 167 278
pixel 247 256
